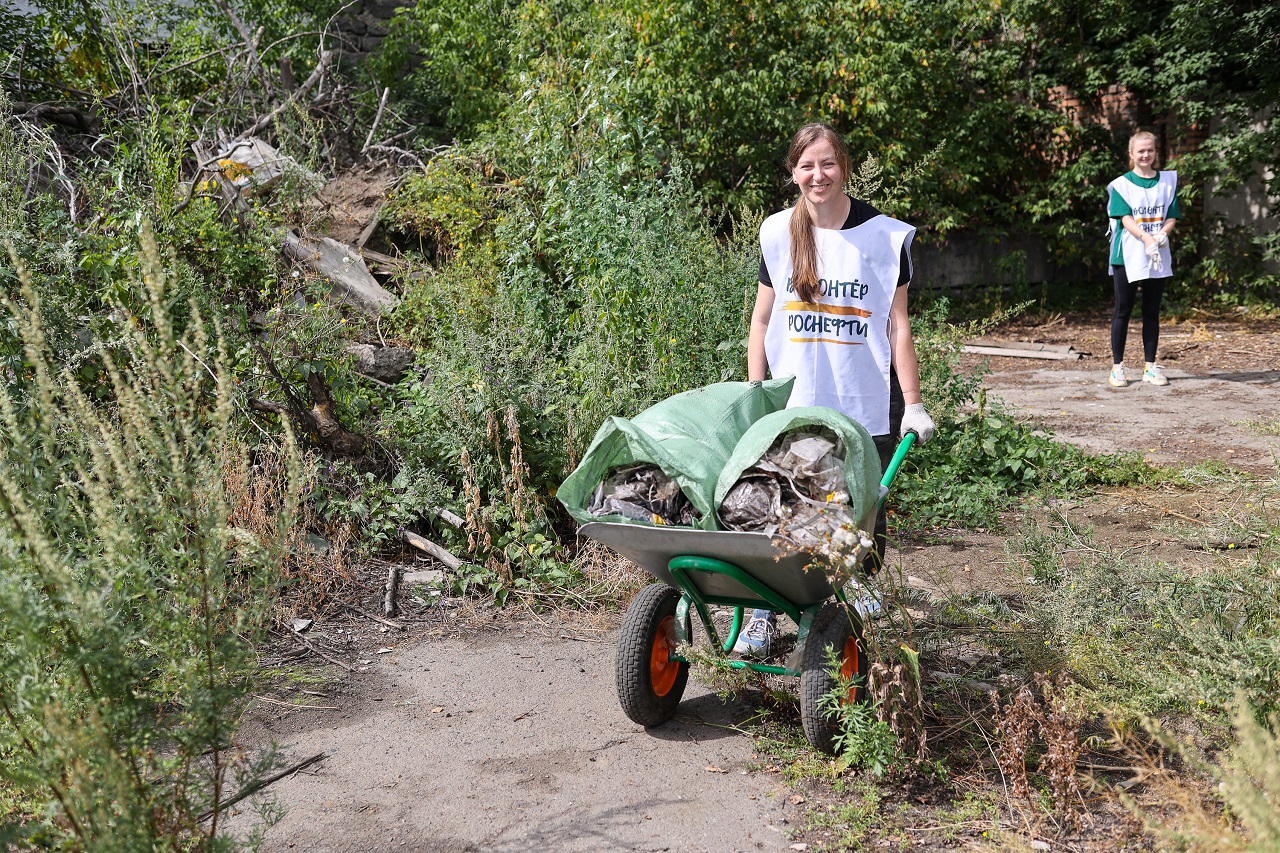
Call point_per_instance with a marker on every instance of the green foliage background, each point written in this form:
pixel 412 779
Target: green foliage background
pixel 580 242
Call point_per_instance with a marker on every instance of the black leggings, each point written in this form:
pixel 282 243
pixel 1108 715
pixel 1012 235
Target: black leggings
pixel 1126 292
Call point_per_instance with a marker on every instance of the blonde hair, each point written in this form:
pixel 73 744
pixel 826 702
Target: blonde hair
pixel 804 250
pixel 1140 135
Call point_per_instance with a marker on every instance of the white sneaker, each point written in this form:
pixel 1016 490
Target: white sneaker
pixel 757 637
pixel 1118 378
pixel 1154 375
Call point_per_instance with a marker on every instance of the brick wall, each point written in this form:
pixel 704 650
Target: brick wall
pixel 363 26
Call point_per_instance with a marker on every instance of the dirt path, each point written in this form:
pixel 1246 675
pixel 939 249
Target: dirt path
pixel 1222 379
pixel 514 740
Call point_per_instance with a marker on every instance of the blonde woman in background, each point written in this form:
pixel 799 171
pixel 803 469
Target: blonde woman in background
pixel 1143 206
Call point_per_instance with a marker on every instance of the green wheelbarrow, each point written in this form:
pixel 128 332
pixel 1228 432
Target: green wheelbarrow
pixel 699 568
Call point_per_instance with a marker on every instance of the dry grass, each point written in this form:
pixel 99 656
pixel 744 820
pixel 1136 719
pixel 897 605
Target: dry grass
pixel 314 575
pixel 609 581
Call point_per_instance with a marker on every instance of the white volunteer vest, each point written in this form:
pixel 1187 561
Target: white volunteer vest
pixel 836 348
pixel 1150 209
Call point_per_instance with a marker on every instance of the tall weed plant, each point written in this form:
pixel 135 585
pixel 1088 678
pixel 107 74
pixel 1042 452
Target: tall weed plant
pixel 130 601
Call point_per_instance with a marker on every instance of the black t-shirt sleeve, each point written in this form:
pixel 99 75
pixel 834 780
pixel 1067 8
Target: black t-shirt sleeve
pixel 859 212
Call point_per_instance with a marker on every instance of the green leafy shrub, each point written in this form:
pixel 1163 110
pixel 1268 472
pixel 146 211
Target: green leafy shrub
pixel 983 457
pixel 629 299
pixel 131 600
pixel 865 741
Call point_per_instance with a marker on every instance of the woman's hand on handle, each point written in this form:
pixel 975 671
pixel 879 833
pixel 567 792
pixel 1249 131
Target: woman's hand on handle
pixel 916 419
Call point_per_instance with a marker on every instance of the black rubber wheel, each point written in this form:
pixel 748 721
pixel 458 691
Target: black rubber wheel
pixel 650 685
pixel 836 628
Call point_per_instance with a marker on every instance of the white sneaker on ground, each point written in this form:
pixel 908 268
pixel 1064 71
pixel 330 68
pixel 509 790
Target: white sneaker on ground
pixel 1154 375
pixel 866 602
pixel 757 636
pixel 1118 378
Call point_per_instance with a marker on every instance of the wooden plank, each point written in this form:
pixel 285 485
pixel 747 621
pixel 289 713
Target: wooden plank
pixel 1032 346
pixel 1022 353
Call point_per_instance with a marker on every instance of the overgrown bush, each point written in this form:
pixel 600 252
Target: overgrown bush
pixel 631 298
pixel 131 601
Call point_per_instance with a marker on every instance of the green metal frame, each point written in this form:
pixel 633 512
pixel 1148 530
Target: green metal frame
pixel 682 569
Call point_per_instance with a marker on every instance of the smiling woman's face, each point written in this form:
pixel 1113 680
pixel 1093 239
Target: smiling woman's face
pixel 1143 152
pixel 818 175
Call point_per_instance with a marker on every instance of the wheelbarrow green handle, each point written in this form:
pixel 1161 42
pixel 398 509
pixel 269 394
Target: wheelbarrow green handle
pixel 895 463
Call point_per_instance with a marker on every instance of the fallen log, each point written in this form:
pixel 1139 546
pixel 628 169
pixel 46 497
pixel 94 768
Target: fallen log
pixel 431 548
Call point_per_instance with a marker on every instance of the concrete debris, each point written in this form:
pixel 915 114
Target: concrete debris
pixel 385 364
pixel 345 269
pixel 253 167
pixel 432 577
pixel 644 493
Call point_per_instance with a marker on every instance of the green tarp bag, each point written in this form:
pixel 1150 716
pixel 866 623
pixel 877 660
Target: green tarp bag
pixel 689 436
pixel 861 461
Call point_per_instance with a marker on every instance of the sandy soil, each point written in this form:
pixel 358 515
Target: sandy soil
pixel 510 737
pixel 1222 376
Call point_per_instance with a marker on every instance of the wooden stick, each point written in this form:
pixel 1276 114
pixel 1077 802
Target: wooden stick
pixel 1021 353
pixel 369 615
pixel 330 658
pixel 429 547
pixel 393 585
pixel 377 120
pixel 296 705
pixel 369 229
pixel 306 86
pixel 451 517
pixel 259 785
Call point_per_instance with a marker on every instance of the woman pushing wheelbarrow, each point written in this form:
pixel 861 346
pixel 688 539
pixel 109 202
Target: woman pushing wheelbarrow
pixel 812 449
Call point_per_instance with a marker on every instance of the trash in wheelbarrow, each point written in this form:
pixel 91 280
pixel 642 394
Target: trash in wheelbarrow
pixel 688 437
pixel 811 473
pixel 643 493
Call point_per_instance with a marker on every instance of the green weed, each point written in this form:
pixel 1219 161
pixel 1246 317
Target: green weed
pixel 1114 619
pixel 1263 425
pixel 852 822
pixel 132 594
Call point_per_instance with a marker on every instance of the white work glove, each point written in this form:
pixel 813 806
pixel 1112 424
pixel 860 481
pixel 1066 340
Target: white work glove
pixel 916 419
pixel 1161 238
pixel 1153 255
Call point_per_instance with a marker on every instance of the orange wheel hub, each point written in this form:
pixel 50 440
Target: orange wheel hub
pixel 850 665
pixel 663 670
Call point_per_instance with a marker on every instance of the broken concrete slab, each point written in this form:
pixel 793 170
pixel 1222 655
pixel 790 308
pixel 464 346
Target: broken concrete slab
pixel 253 166
pixel 385 364
pixel 345 269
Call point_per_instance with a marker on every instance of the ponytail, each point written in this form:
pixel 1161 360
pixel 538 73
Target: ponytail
pixel 804 253
pixel 804 249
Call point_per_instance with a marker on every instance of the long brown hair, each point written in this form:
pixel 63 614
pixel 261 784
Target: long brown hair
pixel 804 250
